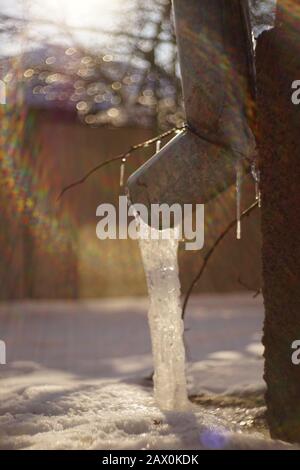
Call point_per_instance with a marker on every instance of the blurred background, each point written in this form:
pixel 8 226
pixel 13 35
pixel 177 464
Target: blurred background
pixel 84 81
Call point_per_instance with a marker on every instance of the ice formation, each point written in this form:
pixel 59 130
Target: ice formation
pixel 122 171
pixel 239 176
pixel 256 177
pixel 159 254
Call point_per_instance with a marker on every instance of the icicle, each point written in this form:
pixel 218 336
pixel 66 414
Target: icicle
pixel 256 177
pixel 239 174
pixel 160 260
pixel 158 145
pixel 122 171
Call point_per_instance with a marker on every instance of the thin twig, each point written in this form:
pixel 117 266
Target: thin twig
pixel 209 254
pixel 119 157
pixel 255 292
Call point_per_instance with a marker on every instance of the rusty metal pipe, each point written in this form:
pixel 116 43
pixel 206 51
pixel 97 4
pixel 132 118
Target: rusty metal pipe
pixel 216 60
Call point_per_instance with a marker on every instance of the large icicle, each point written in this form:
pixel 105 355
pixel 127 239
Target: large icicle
pixel 166 326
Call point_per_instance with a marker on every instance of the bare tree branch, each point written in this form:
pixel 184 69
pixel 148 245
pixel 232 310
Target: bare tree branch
pixel 255 292
pixel 119 157
pixel 208 255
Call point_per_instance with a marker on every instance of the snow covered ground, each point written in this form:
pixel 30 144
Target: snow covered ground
pixel 76 375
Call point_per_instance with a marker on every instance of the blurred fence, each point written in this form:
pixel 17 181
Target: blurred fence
pixel 51 249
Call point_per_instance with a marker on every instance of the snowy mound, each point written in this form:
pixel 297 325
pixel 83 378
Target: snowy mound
pixel 77 373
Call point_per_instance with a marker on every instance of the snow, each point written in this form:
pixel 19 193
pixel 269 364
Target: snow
pixel 166 325
pixel 262 15
pixel 76 376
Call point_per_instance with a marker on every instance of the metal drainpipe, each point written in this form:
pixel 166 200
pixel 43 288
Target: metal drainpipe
pixel 216 60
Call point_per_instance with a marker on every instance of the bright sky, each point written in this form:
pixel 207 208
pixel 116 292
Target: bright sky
pixel 95 14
